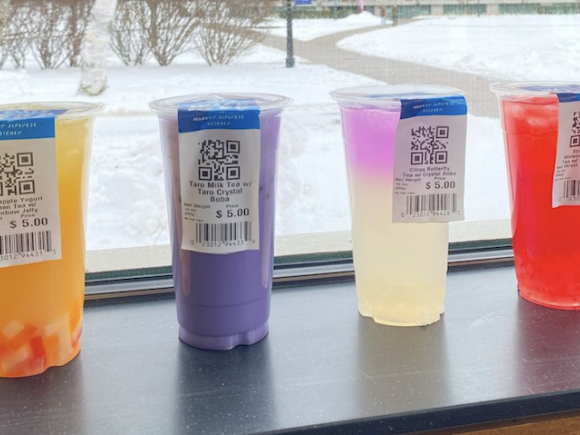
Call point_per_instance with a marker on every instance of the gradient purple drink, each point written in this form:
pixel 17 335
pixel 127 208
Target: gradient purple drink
pixel 400 268
pixel 223 300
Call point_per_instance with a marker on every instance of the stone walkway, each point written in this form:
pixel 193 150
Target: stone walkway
pixel 323 51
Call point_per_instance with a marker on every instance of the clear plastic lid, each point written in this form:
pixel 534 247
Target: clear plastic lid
pixel 390 96
pixel 522 91
pixel 266 102
pixel 73 109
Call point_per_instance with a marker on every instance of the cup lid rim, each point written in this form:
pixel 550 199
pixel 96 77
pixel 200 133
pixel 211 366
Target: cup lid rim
pixel 518 89
pixel 74 109
pixel 391 95
pixel 266 102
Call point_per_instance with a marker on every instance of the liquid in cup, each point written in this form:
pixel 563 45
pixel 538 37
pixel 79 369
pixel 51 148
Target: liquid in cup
pixel 223 300
pixel 400 268
pixel 545 240
pixel 42 303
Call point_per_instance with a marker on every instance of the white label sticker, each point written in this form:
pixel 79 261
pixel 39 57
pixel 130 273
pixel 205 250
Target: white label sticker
pixel 29 205
pixel 429 160
pixel 566 186
pixel 220 180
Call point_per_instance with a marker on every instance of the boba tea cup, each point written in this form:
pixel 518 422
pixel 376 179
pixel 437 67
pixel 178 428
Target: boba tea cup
pixel 400 268
pixel 535 117
pixel 220 155
pixel 45 150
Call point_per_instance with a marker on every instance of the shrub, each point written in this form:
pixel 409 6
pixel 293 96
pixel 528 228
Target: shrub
pixel 228 28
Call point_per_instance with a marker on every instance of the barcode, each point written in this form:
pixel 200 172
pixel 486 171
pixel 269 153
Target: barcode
pixel 571 188
pixel 432 202
pixel 26 242
pixel 228 232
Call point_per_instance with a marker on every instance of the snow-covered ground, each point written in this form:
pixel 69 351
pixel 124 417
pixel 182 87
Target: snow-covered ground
pixel 127 202
pixel 511 47
pixel 127 197
pixel 307 30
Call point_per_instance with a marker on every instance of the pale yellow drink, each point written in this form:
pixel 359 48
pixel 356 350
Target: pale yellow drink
pixel 400 268
pixel 42 303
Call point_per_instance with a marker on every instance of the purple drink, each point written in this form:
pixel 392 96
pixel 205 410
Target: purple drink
pixel 223 300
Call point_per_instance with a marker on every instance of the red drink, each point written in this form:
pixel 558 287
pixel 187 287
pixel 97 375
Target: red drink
pixel 546 240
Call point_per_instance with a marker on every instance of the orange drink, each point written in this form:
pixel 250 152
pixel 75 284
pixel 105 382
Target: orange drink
pixel 41 298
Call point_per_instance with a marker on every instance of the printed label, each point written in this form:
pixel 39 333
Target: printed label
pixel 219 161
pixel 555 89
pixel 429 160
pixel 29 207
pixel 566 186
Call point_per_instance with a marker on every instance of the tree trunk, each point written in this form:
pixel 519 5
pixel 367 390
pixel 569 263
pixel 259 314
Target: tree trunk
pixel 95 48
pixel 4 13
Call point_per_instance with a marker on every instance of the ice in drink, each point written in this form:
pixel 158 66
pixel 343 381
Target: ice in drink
pixel 545 240
pixel 42 302
pixel 400 268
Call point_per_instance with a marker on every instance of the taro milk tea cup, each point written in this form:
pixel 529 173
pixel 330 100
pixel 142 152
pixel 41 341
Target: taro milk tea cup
pixel 220 154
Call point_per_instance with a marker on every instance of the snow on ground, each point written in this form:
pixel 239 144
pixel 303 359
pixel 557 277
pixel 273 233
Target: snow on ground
pixel 511 47
pixel 309 29
pixel 127 197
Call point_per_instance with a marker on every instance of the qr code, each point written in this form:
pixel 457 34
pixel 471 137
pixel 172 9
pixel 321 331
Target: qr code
pixel 575 138
pixel 429 145
pixel 219 160
pixel 17 174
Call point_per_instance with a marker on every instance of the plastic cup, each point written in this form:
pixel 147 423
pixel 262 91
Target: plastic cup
pixel 42 303
pixel 545 240
pixel 400 268
pixel 223 300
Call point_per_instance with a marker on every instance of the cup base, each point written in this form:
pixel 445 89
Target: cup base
pixel 401 305
pixel 530 296
pixel 37 366
pixel 225 342
pixel 427 320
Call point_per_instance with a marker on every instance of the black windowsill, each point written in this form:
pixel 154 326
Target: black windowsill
pixel 322 370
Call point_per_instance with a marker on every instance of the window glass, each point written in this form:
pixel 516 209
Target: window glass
pixel 162 48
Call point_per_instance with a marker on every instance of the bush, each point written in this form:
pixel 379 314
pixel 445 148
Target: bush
pixel 170 27
pixel 4 14
pixel 127 32
pixel 80 13
pixel 47 29
pixel 52 30
pixel 228 28
pixel 15 40
pixel 161 28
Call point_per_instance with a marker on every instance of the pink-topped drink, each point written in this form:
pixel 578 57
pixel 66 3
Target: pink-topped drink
pixel 400 267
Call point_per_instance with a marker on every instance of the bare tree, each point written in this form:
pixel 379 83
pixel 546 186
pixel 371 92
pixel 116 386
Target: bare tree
pixel 80 12
pixel 227 28
pixel 128 40
pixel 15 39
pixel 4 15
pixel 95 47
pixel 170 27
pixel 46 27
